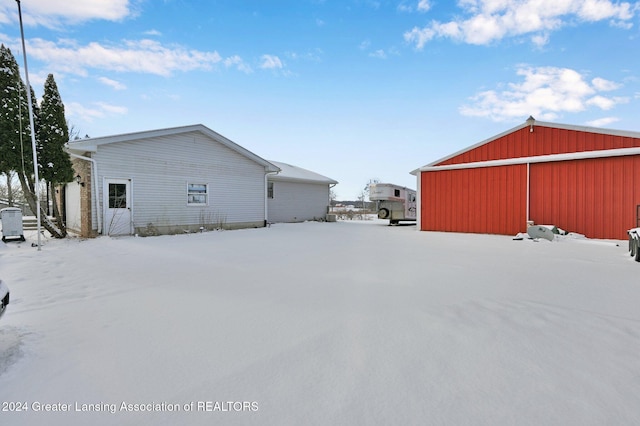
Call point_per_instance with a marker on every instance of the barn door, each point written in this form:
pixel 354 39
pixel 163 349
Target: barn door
pixel 638 216
pixel 117 205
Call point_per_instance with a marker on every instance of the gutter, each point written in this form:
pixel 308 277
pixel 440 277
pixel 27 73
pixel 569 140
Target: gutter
pixel 94 192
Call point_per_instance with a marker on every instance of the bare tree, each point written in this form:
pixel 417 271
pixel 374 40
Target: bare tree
pixel 364 195
pixel 6 191
pixel 74 132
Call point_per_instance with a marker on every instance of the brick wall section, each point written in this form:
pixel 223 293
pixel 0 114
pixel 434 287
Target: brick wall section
pixel 83 168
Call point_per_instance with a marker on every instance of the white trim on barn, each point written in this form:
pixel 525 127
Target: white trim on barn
pixel 620 152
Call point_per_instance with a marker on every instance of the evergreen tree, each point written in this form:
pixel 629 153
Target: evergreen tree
pixel 15 133
pixel 15 139
pixel 53 134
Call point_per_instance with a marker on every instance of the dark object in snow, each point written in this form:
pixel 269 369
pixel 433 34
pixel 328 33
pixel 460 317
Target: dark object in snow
pixel 541 231
pixel 634 243
pixel 4 297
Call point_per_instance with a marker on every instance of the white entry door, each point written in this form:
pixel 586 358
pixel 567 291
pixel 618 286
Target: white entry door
pixel 117 205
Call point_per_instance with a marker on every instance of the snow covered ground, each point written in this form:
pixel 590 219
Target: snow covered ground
pixel 320 324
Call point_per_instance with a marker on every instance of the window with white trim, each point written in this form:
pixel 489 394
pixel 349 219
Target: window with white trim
pixel 197 194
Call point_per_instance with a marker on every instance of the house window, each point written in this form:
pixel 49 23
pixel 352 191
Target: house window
pixel 197 194
pixel 270 190
pixel 117 196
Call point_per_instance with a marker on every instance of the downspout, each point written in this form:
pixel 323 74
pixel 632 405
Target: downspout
pixel 528 189
pixel 94 192
pixel 331 186
pixel 418 201
pixel 531 121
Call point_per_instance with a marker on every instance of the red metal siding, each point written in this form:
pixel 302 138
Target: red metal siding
pixel 595 197
pixel 542 141
pixel 484 200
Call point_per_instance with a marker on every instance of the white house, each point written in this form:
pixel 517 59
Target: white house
pixel 165 181
pixel 296 194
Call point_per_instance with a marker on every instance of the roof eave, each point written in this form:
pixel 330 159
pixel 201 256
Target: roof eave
pixel 300 180
pixel 92 144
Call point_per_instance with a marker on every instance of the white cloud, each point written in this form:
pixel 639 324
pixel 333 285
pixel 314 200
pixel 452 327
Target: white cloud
pixel 604 85
pixel 67 56
pixel 142 56
pixel 450 29
pixel 271 62
pixel 419 36
pixel 424 5
pixel 54 13
pixel 601 122
pixel 605 103
pixel 377 53
pixel 601 102
pixel 97 110
pixel 596 10
pixel 116 85
pixel 380 54
pixel 420 6
pixel 314 55
pixel 540 40
pixel 488 21
pixel 237 62
pixel 111 109
pixel 5 16
pixel 625 25
pixel 545 93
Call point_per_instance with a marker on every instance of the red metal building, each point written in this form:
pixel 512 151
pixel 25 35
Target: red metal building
pixel 581 179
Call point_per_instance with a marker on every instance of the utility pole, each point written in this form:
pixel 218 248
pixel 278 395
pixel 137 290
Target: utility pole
pixel 33 129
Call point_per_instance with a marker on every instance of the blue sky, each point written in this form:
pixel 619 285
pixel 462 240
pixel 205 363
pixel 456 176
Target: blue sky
pixel 352 89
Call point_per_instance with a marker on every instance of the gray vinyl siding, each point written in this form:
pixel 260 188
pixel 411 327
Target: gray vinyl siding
pixel 160 169
pixel 297 201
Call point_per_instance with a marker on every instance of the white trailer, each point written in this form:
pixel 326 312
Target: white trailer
pixel 394 202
